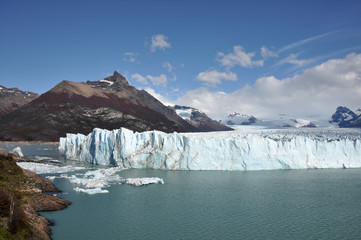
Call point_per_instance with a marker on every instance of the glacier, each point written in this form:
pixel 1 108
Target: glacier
pixel 263 149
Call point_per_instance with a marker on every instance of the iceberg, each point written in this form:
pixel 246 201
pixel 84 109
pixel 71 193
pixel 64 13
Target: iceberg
pixel 17 152
pixel 263 149
pixel 143 181
pixel 91 191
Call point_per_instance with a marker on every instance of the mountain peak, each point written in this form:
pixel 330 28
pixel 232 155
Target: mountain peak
pixel 343 117
pixel 117 78
pixel 117 74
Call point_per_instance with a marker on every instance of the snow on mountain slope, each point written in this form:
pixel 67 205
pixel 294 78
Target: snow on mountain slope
pixel 344 117
pixel 236 150
pixel 13 98
pixel 240 119
pixel 199 119
pixel 184 112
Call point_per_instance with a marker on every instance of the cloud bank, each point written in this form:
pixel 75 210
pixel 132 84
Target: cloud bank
pixel 317 91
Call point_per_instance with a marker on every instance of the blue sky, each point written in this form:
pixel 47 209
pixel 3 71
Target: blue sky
pixel 207 54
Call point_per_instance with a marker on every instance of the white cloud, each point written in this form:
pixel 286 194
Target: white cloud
pixel 159 97
pixel 238 57
pixel 317 92
pixel 160 42
pixel 168 66
pixel 161 80
pixel 139 78
pixel 212 78
pixel 267 53
pixel 130 57
pixel 292 59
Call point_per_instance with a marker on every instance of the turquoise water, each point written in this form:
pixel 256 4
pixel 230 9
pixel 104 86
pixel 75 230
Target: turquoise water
pixel 283 204
pixel 292 204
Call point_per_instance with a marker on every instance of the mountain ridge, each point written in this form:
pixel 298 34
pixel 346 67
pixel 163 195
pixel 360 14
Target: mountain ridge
pixel 12 99
pixel 78 107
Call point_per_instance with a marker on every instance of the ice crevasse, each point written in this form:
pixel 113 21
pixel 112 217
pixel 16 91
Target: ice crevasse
pixel 237 150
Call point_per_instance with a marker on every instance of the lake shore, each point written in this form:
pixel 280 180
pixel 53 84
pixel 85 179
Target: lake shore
pixel 23 194
pixel 27 143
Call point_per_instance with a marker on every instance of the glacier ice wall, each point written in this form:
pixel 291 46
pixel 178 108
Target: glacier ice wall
pixel 238 150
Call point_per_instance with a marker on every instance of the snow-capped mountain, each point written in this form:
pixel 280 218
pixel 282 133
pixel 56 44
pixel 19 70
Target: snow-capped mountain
pixel 13 98
pixel 344 117
pixel 236 118
pixel 199 119
pixel 281 121
pixel 296 123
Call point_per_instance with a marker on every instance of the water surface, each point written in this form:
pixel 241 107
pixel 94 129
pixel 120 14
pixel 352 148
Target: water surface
pixel 278 204
pixel 288 204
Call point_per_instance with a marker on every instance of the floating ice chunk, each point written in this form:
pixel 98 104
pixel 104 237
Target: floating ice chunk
pixel 41 168
pixel 143 181
pixel 91 191
pixel 51 178
pixel 96 179
pixel 17 152
pixel 42 158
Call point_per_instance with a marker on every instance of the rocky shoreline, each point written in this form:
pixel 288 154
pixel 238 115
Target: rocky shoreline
pixel 23 194
pixel 27 143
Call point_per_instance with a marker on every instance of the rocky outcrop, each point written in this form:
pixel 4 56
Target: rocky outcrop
pixel 22 195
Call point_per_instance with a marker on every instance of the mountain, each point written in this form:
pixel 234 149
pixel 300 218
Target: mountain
pixel 78 107
pixel 344 117
pixel 199 119
pixel 13 98
pixel 240 119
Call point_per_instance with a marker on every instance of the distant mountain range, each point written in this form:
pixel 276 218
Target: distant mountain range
pixel 77 107
pixel 343 117
pixel 13 98
pixel 236 118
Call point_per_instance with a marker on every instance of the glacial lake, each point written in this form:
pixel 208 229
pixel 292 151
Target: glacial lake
pixel 277 204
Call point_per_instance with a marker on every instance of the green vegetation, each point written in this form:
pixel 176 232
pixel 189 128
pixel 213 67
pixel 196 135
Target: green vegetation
pixel 13 220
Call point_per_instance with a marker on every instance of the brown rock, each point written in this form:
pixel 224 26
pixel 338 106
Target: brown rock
pixel 4 153
pixel 42 183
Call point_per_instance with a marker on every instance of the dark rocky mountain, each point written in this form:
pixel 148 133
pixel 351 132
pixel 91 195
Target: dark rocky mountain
pixel 344 117
pixel 77 107
pixel 199 119
pixel 13 98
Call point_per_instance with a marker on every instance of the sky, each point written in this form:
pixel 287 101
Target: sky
pixel 263 58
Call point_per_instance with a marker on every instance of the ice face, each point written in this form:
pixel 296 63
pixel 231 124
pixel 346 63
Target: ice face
pixel 238 150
